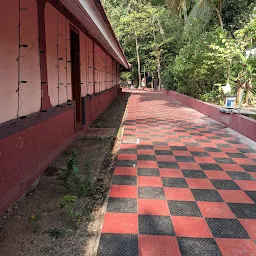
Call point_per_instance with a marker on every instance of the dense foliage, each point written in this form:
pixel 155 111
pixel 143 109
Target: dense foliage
pixel 191 46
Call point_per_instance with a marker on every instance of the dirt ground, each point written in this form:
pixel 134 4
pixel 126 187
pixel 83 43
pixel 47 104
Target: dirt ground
pixel 39 224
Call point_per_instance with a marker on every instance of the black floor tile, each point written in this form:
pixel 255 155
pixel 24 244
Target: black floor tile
pixel 118 245
pixel 178 148
pixel 252 195
pixel 248 168
pixel 201 154
pixel 192 144
pixel 220 145
pixel 180 130
pixel 236 155
pixel 160 143
pixel 206 166
pixel 124 180
pixel 125 205
pixel 174 182
pixel 227 228
pixel 224 160
pixel 234 141
pixel 146 157
pixel 243 211
pixel 184 208
pixel 171 165
pixel 148 172
pixel 203 141
pixel 196 134
pixel 128 151
pixel 194 174
pixel 225 184
pixel 187 159
pixel 151 192
pixel 198 247
pixel 240 175
pixel 213 137
pixel 246 150
pixel 155 225
pixel 212 149
pixel 145 147
pixel 206 195
pixel 163 152
pixel 126 163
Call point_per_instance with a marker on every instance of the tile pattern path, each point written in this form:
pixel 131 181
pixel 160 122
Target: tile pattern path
pixel 188 187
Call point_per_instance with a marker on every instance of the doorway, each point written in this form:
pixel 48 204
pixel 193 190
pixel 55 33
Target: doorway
pixel 75 76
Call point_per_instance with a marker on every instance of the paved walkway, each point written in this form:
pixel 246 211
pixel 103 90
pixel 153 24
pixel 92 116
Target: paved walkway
pixel 187 188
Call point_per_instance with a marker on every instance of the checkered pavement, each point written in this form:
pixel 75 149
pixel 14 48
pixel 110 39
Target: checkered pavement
pixel 187 188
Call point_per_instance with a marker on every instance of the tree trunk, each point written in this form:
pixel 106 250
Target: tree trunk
pixel 159 70
pixel 218 12
pixel 138 59
pixel 247 97
pixel 185 12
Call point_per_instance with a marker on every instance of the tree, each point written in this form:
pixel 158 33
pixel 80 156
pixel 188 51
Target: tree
pixel 178 6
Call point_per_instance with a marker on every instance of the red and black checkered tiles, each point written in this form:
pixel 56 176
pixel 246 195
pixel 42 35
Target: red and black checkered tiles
pixel 188 188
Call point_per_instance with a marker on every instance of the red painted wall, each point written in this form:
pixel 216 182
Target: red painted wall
pixel 36 147
pixel 242 124
pixel 95 106
pixel 26 154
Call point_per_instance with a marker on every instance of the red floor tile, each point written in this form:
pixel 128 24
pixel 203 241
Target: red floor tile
pixel 180 194
pixel 206 160
pixel 189 166
pixel 146 142
pixel 230 150
pixel 249 185
pixel 158 245
pixel 253 174
pixel 236 247
pixel 251 155
pixel 191 227
pixel 127 157
pixel 163 158
pixel 153 207
pixel 250 227
pixel 231 167
pixel 147 164
pixel 123 191
pixel 206 145
pixel 244 161
pixel 215 210
pixel 235 196
pixel 145 152
pixel 128 146
pixel 171 173
pixel 218 154
pixel 217 175
pixel 160 147
pixel 199 183
pixel 146 181
pixel 132 171
pixel 174 143
pixel 196 149
pixel 123 223
pixel 181 153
